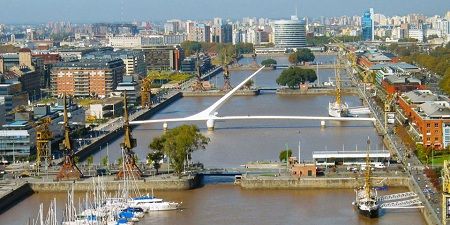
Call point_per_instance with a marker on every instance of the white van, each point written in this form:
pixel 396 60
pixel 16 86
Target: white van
pixel 379 165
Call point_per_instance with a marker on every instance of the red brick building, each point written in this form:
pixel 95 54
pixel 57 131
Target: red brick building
pixel 93 77
pixel 396 84
pixel 429 117
pixel 369 59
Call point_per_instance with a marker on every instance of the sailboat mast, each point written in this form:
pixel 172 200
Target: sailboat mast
pixel 338 85
pixel 368 184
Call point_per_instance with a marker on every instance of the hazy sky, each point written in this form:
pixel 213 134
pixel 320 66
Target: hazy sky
pixel 38 11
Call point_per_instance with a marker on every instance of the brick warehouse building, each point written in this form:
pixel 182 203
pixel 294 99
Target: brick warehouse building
pixel 429 117
pixel 88 77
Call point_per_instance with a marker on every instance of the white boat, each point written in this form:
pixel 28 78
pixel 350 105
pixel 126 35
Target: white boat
pixel 336 109
pixel 149 203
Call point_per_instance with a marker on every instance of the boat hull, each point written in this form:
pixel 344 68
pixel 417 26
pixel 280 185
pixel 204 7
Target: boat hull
pixel 369 213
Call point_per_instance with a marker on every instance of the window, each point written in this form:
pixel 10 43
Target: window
pixel 436 138
pixel 436 125
pixel 428 138
pixel 428 124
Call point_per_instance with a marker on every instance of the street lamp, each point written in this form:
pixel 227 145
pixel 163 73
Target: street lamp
pixel 299 147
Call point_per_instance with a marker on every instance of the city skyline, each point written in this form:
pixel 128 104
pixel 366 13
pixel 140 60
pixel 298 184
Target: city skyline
pixel 83 11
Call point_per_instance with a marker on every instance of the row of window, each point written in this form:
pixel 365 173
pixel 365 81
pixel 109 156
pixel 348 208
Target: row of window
pixel 436 125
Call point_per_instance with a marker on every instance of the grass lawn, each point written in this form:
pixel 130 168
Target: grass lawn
pixel 439 160
pixel 85 102
pixel 173 78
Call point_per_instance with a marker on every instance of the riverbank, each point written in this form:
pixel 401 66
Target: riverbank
pixel 13 193
pixel 270 182
pixel 160 183
pixel 111 136
pixel 20 191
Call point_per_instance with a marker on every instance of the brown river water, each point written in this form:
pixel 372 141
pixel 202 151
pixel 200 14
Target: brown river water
pixel 235 143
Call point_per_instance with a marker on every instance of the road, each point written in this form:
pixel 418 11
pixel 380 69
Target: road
pixel 411 164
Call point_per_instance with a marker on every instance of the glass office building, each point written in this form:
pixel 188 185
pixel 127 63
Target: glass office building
pixel 367 25
pixel 289 34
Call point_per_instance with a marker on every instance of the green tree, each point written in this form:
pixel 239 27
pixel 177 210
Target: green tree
pixel 8 49
pixel 179 143
pixel 293 76
pixel 244 48
pixel 293 59
pixel 154 159
pixel 104 161
pixel 90 162
pixel 120 161
pixel 284 155
pixel 191 47
pixel 249 84
pixel 301 56
pixel 269 62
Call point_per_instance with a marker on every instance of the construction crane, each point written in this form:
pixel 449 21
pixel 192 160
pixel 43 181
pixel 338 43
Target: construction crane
pixel 226 73
pixel 128 169
pixel 146 93
pixel 254 63
pixel 43 142
pixel 198 84
pixel 445 192
pixel 68 170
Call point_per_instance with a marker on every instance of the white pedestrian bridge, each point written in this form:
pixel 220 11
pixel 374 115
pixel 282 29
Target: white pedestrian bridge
pixel 211 114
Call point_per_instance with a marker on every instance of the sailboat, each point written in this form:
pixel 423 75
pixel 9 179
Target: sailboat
pixel 338 108
pixel 366 200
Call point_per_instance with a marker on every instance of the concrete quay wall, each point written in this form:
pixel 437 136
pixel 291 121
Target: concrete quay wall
pixel 318 183
pixel 14 196
pixel 95 146
pixel 145 185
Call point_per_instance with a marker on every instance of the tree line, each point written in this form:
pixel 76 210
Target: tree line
pixel 191 47
pixel 437 60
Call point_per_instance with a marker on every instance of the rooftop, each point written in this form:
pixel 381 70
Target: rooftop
pixel 438 109
pixel 377 57
pixel 9 133
pixel 90 63
pixel 420 96
pixel 395 79
pixel 401 65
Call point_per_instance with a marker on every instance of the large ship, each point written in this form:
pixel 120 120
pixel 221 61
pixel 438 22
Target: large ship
pixel 338 108
pixel 366 200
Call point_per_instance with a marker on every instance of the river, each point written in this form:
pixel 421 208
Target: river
pixel 226 204
pixel 236 142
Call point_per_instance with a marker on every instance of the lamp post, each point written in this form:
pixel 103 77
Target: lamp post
pixel 299 147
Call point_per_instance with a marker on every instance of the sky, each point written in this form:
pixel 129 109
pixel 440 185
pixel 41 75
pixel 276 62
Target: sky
pixel 79 11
